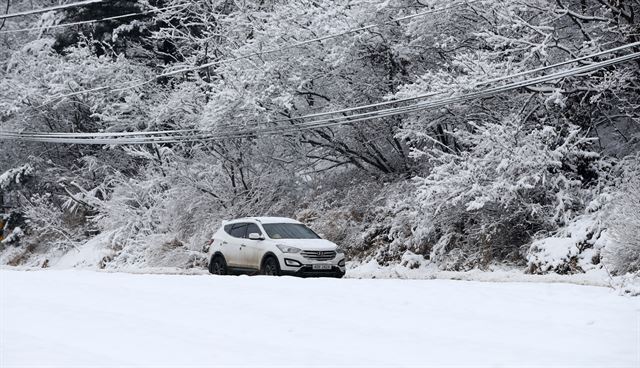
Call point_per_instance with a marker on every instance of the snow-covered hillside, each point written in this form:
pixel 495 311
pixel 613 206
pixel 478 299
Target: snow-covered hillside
pixel 85 318
pixel 472 133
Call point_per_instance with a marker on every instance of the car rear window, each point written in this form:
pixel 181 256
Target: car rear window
pixel 289 231
pixel 236 230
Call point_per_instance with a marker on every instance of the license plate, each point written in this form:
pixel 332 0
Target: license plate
pixel 321 267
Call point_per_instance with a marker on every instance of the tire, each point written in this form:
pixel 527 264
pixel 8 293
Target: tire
pixel 270 267
pixel 218 266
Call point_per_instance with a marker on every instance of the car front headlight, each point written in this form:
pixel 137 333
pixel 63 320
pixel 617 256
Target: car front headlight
pixel 340 250
pixel 287 249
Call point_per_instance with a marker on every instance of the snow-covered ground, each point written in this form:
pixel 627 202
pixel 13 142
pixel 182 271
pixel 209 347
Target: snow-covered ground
pixel 75 318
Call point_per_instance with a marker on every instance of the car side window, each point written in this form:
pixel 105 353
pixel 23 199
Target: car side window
pixel 238 230
pixel 252 228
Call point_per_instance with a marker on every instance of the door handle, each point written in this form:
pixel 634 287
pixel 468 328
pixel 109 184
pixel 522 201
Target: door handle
pixel 243 245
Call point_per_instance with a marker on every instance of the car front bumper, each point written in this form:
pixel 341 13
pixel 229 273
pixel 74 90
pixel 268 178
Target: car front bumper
pixel 304 266
pixel 308 271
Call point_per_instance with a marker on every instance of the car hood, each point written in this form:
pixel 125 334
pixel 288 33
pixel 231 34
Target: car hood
pixel 307 244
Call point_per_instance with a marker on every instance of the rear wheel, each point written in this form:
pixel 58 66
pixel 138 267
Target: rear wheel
pixel 218 266
pixel 270 267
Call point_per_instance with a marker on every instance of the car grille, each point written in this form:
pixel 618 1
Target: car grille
pixel 319 255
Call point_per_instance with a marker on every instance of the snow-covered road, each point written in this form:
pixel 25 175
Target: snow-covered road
pixel 82 318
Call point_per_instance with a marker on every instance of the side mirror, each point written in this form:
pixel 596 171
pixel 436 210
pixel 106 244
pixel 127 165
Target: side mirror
pixel 255 236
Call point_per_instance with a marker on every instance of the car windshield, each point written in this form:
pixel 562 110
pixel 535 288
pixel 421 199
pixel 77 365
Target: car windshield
pixel 289 231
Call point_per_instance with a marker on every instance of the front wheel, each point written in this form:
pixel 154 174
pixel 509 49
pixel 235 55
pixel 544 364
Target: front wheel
pixel 270 267
pixel 218 266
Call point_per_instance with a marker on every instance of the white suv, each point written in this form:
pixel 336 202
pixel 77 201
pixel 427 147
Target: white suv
pixel 273 246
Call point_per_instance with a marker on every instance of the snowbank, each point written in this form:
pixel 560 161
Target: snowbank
pixel 372 269
pixel 93 254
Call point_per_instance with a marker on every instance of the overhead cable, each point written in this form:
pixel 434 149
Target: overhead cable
pixel 89 21
pixel 363 107
pixel 326 122
pixel 51 8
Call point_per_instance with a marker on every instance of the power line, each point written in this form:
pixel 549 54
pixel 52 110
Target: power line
pixel 486 82
pixel 379 104
pixel 422 96
pixel 61 25
pixel 403 110
pixel 108 134
pixel 51 8
pixel 380 113
pixel 326 122
pixel 128 85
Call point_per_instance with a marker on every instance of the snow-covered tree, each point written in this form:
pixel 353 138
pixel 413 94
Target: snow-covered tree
pixel 623 221
pixel 492 172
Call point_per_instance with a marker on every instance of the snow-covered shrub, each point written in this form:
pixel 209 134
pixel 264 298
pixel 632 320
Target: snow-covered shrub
pixel 51 224
pixel 573 249
pixel 164 251
pixel 15 176
pixel 396 226
pixel 370 220
pixel 629 284
pixel 133 210
pixel 13 237
pixel 623 252
pixel 337 208
pixel 509 182
pixel 141 217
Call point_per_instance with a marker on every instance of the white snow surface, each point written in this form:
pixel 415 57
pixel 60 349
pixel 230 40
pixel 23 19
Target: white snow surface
pixel 80 318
